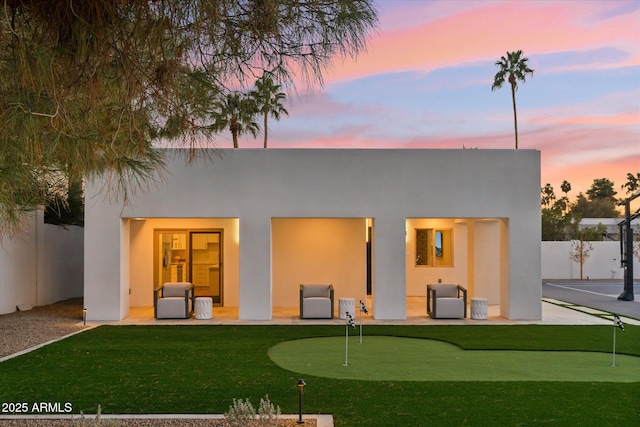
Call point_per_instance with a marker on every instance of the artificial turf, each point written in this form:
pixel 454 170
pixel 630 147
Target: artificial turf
pixel 200 369
pixel 384 358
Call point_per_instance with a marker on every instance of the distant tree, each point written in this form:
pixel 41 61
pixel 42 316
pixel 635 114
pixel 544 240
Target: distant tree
pixel 565 187
pixel 268 100
pixel 591 234
pixel 580 252
pixel 513 68
pixel 602 188
pixel 601 201
pixel 555 224
pixel 633 183
pixel 547 195
pixel 598 208
pixel 236 112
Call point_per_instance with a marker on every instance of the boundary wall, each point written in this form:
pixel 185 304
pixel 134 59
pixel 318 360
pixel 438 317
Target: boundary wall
pixel 42 266
pixel 603 262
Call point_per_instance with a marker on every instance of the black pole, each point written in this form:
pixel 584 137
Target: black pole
pixel 301 385
pixel 627 294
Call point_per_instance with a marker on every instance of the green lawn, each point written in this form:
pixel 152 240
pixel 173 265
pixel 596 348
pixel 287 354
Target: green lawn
pixel 200 369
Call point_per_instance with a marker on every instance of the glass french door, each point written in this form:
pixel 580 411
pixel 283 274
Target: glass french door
pixel 190 256
pixel 206 264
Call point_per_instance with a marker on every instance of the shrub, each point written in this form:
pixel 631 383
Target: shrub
pixel 91 422
pixel 242 414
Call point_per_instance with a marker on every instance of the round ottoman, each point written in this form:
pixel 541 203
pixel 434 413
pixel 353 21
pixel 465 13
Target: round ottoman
pixel 346 305
pixel 479 308
pixel 204 306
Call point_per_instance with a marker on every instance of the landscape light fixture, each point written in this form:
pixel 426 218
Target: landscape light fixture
pixel 301 385
pixel 84 316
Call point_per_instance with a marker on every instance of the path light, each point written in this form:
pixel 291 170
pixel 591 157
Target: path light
pixel 84 316
pixel 301 385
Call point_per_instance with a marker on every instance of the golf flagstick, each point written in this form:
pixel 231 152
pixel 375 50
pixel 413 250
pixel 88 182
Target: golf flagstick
pixel 362 308
pixel 346 337
pixel 617 323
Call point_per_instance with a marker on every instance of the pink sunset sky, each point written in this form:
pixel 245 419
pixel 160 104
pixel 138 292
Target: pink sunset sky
pixel 425 82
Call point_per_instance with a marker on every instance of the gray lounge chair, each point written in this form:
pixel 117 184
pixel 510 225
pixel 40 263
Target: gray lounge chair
pixel 316 301
pixel 446 301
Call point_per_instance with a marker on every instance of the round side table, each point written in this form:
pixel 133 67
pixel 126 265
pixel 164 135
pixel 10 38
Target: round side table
pixel 204 307
pixel 347 305
pixel 479 309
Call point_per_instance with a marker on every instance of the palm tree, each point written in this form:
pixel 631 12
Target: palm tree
pixel 512 68
pixel 269 102
pixel 237 112
pixel 566 187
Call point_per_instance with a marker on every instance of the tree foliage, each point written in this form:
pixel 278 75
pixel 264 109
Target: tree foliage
pixel 602 189
pixel 236 112
pixel 594 208
pixel 268 100
pixel 561 218
pixel 632 184
pixel 86 87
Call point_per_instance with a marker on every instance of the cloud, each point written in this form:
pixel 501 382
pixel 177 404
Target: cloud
pixel 481 31
pixel 588 59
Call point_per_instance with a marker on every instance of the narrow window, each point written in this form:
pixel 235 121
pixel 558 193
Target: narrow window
pixel 434 247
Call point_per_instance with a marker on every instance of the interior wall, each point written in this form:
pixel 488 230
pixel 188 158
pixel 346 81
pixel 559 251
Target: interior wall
pixel 418 277
pixel 125 267
pixel 471 283
pixel 318 250
pixel 505 267
pixel 487 260
pixel 141 255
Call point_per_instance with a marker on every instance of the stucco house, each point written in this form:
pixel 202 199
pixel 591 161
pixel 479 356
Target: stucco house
pixel 250 226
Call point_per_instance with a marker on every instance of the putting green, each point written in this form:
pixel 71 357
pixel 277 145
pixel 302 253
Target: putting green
pixel 381 358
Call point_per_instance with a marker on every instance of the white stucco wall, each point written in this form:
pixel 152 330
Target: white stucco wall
pixel 388 186
pixel 18 267
pixel 42 266
pixel 603 262
pixel 61 260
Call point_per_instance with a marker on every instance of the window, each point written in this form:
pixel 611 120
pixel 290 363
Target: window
pixel 434 247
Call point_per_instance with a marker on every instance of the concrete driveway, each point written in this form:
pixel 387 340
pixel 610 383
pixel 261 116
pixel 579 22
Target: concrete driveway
pixel 598 294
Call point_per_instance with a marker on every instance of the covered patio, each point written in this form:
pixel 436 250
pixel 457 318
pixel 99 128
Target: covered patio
pixel 552 314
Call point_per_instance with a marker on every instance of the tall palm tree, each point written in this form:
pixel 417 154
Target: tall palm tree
pixel 269 102
pixel 237 112
pixel 513 67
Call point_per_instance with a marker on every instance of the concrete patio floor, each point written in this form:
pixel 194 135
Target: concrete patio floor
pixel 553 313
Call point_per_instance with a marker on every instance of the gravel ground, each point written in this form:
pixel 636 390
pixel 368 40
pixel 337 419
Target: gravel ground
pixel 26 329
